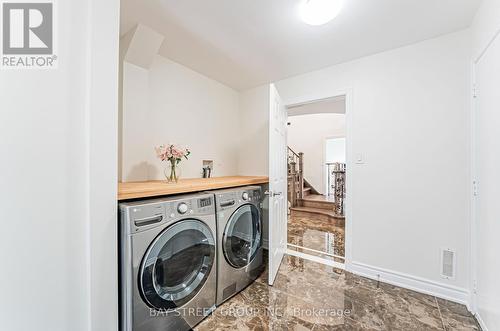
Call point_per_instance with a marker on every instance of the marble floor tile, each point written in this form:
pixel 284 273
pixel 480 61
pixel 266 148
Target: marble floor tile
pixel 349 325
pixel 311 296
pixel 259 307
pixel 316 234
pixel 456 316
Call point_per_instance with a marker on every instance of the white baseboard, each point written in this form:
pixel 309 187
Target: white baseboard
pixel 317 259
pixel 440 290
pixel 480 321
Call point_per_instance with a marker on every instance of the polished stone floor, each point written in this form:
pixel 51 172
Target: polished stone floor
pixel 311 296
pixel 317 234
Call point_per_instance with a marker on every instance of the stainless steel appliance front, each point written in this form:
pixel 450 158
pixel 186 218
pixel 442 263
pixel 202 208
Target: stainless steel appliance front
pixel 168 262
pixel 239 239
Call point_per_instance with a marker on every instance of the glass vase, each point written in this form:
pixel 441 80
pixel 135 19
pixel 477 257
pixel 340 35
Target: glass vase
pixel 172 172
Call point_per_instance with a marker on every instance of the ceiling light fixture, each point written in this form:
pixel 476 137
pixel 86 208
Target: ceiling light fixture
pixel 319 12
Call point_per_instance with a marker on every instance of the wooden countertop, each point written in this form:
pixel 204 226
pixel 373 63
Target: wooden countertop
pixel 155 188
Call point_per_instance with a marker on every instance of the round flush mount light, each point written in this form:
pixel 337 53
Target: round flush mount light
pixel 319 12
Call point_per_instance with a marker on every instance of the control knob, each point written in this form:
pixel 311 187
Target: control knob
pixel 244 196
pixel 182 208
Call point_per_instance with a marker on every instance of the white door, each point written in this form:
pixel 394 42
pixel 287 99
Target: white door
pixel 277 182
pixel 486 158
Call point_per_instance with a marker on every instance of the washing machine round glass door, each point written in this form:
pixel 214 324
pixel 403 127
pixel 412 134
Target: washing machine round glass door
pixel 242 236
pixel 177 264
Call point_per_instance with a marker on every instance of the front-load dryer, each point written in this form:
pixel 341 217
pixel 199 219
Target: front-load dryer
pixel 167 262
pixel 239 239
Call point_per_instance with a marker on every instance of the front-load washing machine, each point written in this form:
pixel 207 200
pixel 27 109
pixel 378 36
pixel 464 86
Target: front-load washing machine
pixel 239 239
pixel 168 262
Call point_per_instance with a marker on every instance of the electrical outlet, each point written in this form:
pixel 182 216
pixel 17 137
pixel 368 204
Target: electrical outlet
pixel 208 168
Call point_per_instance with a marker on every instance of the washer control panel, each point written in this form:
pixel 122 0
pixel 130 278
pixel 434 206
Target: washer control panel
pixel 192 206
pixel 182 208
pixel 140 216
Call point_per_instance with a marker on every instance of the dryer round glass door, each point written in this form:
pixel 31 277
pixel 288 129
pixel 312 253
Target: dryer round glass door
pixel 177 264
pixel 242 236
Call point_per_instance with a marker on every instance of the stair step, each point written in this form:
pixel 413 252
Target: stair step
pixel 315 212
pixel 321 197
pixel 314 203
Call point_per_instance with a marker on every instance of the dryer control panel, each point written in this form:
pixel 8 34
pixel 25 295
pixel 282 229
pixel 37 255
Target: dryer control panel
pixel 227 199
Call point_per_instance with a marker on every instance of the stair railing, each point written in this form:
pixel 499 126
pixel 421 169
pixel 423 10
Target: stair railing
pixel 301 175
pixel 336 185
pixel 295 176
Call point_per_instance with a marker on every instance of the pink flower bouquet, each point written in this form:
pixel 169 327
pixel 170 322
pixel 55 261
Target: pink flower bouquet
pixel 174 155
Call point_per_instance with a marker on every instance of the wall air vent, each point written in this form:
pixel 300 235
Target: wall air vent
pixel 448 261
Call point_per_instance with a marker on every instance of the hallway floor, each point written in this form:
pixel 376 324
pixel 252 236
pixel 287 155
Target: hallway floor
pixel 311 296
pixel 317 233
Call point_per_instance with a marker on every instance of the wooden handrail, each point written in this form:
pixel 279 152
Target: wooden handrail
pixel 293 152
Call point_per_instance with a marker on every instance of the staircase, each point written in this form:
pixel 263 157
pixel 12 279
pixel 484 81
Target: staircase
pixel 305 201
pixel 317 208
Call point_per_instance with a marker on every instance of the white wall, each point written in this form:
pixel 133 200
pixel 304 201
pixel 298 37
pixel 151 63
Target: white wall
pixel 335 150
pixel 58 128
pixel 307 134
pixel 409 120
pixel 332 105
pixel 486 302
pixel 136 146
pixel 170 103
pixel 253 151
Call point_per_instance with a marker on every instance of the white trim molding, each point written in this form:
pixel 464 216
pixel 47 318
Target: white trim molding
pixel 425 286
pixel 316 259
pixel 481 322
pixel 474 222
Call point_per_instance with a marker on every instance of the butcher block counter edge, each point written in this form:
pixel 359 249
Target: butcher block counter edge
pixel 155 188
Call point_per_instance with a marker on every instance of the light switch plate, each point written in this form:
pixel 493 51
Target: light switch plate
pixel 359 158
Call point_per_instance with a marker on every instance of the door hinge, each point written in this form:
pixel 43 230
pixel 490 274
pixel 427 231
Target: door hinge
pixel 474 188
pixel 474 91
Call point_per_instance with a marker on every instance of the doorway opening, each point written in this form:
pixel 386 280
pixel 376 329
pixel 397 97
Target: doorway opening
pixel 316 163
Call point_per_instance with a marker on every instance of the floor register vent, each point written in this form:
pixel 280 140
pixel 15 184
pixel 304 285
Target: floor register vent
pixel 448 261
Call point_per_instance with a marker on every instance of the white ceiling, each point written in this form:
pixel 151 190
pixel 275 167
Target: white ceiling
pixel 246 43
